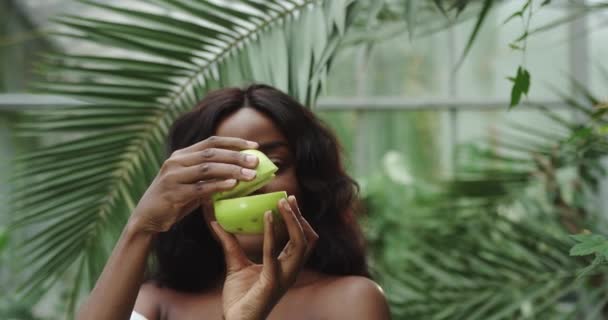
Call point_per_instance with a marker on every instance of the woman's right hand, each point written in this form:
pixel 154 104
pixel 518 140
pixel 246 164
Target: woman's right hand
pixel 191 176
pixel 251 290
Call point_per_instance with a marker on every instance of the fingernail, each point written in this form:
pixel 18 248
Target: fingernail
pixel 252 144
pixel 230 182
pixel 292 198
pixel 248 173
pixel 269 216
pixel 250 158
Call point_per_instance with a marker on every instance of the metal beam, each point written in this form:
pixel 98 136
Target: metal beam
pixel 398 103
pixel 20 101
pixel 16 102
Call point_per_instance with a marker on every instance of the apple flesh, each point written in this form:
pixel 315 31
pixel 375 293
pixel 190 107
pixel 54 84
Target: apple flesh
pixel 238 213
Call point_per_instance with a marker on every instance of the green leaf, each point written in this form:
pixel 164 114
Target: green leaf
pixel 519 13
pixel 439 5
pixel 73 197
pixel 515 46
pixel 594 264
pixel 590 244
pixel 522 37
pixel 3 238
pixel 521 86
pixel 485 10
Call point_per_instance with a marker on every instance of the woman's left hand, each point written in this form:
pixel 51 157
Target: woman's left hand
pixel 251 290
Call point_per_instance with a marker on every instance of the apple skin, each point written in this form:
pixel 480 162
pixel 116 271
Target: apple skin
pixel 245 215
pixel 238 213
pixel 264 173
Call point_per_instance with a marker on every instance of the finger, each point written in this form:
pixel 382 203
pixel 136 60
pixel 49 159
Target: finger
pixel 222 142
pixel 212 170
pixel 217 155
pixel 207 209
pixel 233 253
pixel 293 254
pixel 203 189
pixel 294 228
pixel 309 232
pixel 269 259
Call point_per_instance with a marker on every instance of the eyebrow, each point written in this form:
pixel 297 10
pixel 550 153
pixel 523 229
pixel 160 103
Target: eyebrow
pixel 269 146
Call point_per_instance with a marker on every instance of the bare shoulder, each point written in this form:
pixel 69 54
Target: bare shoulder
pixel 149 299
pixel 354 288
pixel 364 297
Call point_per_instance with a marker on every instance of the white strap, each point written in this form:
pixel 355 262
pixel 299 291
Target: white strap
pixel 137 316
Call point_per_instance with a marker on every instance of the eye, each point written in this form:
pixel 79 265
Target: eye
pixel 279 163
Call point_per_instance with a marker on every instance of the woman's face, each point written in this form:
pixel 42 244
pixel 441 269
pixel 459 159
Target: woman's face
pixel 250 124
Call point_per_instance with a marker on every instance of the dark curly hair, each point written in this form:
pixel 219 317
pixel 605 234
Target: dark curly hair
pixel 188 258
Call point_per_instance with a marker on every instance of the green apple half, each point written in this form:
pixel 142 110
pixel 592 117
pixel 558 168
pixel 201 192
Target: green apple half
pixel 238 213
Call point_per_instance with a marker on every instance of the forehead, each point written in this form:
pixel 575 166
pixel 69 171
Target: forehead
pixel 250 124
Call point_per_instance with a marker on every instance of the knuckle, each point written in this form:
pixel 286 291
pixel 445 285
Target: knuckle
pixel 163 169
pixel 208 153
pixel 167 178
pixel 205 167
pixel 212 139
pixel 168 164
pixel 199 186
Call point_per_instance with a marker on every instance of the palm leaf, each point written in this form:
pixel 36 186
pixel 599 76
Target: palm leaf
pixel 148 66
pixel 492 243
pixel 387 19
pixel 483 13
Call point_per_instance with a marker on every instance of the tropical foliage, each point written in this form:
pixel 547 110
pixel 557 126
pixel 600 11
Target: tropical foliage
pixel 151 64
pixel 153 60
pixel 493 242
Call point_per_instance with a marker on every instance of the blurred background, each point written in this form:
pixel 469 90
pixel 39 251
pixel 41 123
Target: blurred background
pixel 471 203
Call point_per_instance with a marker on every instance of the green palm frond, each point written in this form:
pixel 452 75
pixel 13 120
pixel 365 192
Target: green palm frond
pixel 493 243
pixel 504 270
pixel 143 67
pixel 390 18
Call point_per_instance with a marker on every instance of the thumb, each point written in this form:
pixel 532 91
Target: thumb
pixel 234 255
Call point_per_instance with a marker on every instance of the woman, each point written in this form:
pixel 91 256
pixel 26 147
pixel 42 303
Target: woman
pixel 203 272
